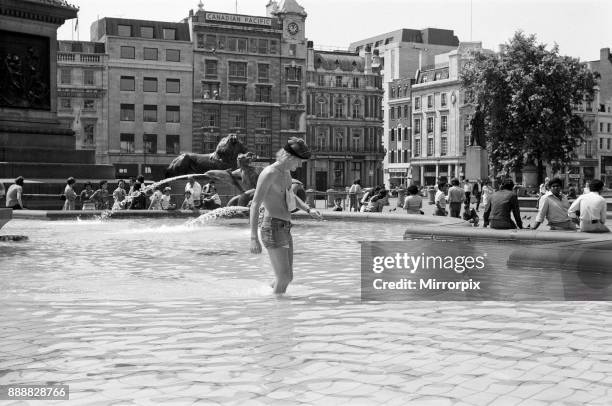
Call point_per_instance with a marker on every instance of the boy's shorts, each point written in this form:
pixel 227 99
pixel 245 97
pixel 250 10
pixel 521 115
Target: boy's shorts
pixel 276 233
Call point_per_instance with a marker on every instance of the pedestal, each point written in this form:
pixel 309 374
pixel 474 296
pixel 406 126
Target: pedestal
pixel 476 163
pixel 530 176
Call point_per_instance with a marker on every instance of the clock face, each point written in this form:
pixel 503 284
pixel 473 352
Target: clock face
pixel 293 28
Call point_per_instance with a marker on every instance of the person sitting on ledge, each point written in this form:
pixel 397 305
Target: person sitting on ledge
pixel 376 203
pixel 337 204
pixel 166 201
pixel 498 209
pixel 590 208
pixel 14 195
pixel 212 202
pixel 413 202
pixel 188 202
pixel 554 208
pixel 139 200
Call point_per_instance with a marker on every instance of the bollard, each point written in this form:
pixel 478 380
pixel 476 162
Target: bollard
pixel 310 198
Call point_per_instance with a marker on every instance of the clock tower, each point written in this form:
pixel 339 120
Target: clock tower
pixel 292 18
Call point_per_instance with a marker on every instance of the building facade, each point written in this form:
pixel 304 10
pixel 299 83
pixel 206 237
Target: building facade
pixel 149 96
pixel 344 121
pixel 441 118
pixel 400 132
pixel 81 93
pixel 248 79
pixel 400 54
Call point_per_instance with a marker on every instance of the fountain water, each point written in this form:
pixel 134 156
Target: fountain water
pixel 220 213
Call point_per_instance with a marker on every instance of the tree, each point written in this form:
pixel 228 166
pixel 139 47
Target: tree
pixel 526 94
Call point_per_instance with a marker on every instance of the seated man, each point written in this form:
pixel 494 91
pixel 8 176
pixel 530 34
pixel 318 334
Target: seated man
pixel 553 207
pixel 212 202
pixel 500 206
pixel 590 208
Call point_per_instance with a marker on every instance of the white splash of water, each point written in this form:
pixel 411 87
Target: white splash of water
pixel 221 213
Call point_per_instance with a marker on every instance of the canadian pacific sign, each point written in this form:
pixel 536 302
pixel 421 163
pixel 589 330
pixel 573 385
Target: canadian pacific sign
pixel 238 19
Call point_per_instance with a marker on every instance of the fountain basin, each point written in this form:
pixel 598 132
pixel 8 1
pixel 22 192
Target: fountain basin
pixel 5 216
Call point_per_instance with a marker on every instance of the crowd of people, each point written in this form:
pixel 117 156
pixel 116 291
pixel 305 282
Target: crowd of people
pixel 133 195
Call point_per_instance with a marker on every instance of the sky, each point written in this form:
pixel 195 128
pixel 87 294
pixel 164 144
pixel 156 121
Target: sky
pixel 579 27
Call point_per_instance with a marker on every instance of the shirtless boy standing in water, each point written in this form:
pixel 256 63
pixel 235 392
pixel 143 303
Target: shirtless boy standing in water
pixel 274 192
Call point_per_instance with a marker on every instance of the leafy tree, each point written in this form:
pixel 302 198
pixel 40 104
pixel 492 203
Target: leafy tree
pixel 526 95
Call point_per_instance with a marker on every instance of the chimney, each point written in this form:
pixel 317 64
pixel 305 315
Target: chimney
pixel 310 56
pixel 604 54
pixel 368 60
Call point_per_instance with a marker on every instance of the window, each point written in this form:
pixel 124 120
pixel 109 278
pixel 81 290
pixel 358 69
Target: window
pixel 149 85
pixel 399 112
pixel 237 70
pixel 237 118
pixel 443 123
pixel 127 83
pixel 88 77
pixel 392 135
pixel 124 30
pixel 76 47
pixel 173 85
pixel 609 142
pixel 169 33
pixel 263 93
pixel 210 90
pixel 293 95
pixel 417 147
pixel 237 92
pixel 443 99
pixel 173 145
pixel 66 76
pixel 262 146
pixel 211 41
pixel 601 143
pixel 601 127
pixel 355 142
pixel 406 111
pixel 146 32
pixel 242 45
pixel 211 69
pixel 430 146
pixel 150 54
pixel 293 121
pixel 417 126
pixel 356 82
pixel 443 146
pixel 264 119
pixel 263 72
pixel 321 80
pixel 126 112
pixel 391 157
pixel 210 118
pixel 293 73
pixel 430 101
pixel 430 124
pixel 89 104
pixel 356 108
pixel 339 141
pixel 262 46
pixel 150 143
pixel 173 55
pixel 126 145
pixel 417 103
pixel 232 43
pixel 66 103
pixel 292 49
pixel 149 113
pixel 339 112
pixel 173 114
pixel 322 110
pixel 127 52
pixel 321 142
pixel 609 127
pixel 273 47
pixel 88 134
pixel 392 113
pixel 338 81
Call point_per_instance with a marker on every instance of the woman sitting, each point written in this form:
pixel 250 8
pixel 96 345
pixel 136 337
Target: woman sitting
pixel 377 202
pixel 413 202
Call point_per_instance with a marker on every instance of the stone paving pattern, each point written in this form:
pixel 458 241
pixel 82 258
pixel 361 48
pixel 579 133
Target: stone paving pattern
pixel 311 350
